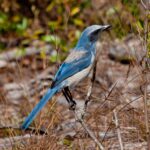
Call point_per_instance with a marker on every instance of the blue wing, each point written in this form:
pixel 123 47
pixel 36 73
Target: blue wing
pixel 74 63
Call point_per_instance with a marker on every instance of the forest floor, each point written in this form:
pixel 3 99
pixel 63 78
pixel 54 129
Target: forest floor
pixel 119 88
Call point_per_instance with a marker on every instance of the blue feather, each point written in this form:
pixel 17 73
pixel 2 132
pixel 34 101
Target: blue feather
pixel 68 69
pixel 38 107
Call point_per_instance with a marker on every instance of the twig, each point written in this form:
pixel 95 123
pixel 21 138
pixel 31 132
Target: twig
pixel 92 80
pixel 145 5
pixel 118 129
pixel 91 134
pixel 79 115
pixel 111 90
pixel 109 127
pixel 128 104
pixel 146 112
pixel 145 105
pixel 91 85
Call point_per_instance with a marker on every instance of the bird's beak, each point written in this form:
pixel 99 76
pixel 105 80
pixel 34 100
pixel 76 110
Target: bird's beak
pixel 105 27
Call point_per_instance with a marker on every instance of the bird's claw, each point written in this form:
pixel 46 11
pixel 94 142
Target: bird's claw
pixel 72 106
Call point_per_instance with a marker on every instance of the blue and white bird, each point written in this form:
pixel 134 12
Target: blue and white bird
pixel 74 69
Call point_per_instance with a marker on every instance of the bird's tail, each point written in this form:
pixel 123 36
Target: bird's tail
pixel 38 107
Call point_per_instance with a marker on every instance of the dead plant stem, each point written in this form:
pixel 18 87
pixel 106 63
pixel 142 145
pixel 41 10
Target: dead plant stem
pixel 118 129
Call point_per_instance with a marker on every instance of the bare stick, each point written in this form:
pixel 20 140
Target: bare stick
pixel 91 85
pixel 145 105
pixel 118 129
pixel 145 5
pixel 79 116
pixel 91 134
pixel 88 97
pixel 146 112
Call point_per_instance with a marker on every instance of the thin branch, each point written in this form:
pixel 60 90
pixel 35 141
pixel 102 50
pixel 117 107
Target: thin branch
pixel 79 116
pixel 88 97
pixel 118 129
pixel 91 85
pixel 109 127
pixel 146 111
pixel 111 90
pixel 128 104
pixel 91 134
pixel 145 105
pixel 145 5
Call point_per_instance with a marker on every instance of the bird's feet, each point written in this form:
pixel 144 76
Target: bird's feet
pixel 72 105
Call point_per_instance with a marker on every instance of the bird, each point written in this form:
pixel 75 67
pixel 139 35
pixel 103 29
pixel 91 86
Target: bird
pixel 72 71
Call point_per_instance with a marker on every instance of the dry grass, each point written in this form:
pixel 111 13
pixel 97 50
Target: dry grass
pixel 125 97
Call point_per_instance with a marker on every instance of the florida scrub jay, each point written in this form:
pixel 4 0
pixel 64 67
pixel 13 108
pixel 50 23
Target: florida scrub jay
pixel 74 69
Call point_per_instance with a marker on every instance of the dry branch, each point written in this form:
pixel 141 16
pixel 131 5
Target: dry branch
pixel 118 129
pixel 80 113
pixel 91 134
pixel 146 5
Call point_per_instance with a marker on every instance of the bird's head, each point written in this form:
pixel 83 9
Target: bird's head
pixel 91 34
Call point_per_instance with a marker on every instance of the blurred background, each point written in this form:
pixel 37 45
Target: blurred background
pixel 36 36
pixel 24 21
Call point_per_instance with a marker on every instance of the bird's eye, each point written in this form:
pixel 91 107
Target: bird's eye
pixel 94 36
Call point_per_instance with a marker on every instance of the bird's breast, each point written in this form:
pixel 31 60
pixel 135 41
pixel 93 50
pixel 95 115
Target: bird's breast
pixel 78 77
